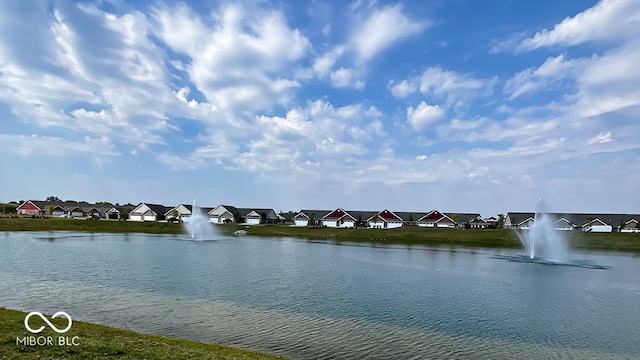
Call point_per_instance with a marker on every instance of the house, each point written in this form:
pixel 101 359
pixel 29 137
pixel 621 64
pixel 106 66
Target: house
pixel 253 216
pixel 518 220
pixel 630 226
pixel 309 217
pixel 591 222
pixel 435 218
pixel 339 218
pixel 39 208
pixel 596 225
pixel 223 214
pixel 385 219
pixel 73 209
pixel 478 223
pixel 148 212
pixel 563 224
pixel 180 212
pixel 465 220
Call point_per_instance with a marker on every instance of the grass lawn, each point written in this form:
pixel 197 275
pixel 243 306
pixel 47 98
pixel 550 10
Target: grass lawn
pixel 102 342
pixel 407 235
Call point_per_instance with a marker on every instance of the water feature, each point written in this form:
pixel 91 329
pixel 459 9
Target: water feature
pixel 310 300
pixel 542 241
pixel 198 225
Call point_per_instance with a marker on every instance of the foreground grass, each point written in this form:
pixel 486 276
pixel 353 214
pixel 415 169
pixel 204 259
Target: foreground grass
pixel 101 342
pixel 407 235
pixel 111 226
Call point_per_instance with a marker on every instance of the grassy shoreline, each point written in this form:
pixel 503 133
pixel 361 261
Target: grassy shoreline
pixel 101 342
pixel 408 235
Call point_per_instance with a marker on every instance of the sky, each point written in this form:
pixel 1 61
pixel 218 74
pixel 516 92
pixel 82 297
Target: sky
pixel 457 105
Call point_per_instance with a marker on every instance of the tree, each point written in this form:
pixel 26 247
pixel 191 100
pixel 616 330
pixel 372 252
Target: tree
pixel 411 217
pixel 175 213
pixel 50 208
pixel 455 217
pixel 236 217
pixel 53 199
pixel 500 223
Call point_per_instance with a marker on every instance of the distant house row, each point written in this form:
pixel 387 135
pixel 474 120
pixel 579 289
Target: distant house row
pixel 222 214
pixel 336 218
pixel 587 222
pixel 387 219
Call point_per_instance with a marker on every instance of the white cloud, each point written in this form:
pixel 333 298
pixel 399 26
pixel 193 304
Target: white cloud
pixel 454 88
pixel 603 137
pixel 403 88
pixel 381 29
pixel 235 53
pixel 373 31
pixel 608 20
pixel 535 79
pixel 24 145
pixel 424 115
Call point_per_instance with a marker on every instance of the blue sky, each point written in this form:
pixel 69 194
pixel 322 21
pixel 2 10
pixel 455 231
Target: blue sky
pixel 458 105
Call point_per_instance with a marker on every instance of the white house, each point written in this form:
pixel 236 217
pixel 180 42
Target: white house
pixel 222 214
pixel 630 226
pixel 339 219
pixel 385 219
pixel 301 219
pixel 597 225
pixel 252 218
pixel 148 212
pixel 436 219
pixel 563 225
pixel 182 212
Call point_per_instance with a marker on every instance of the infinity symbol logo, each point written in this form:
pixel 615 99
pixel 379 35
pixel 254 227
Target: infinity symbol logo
pixel 53 327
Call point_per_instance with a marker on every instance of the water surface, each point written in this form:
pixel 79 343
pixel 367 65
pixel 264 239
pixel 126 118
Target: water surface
pixel 309 299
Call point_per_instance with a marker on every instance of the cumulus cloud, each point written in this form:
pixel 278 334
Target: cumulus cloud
pixel 424 115
pixel 373 31
pixel 381 29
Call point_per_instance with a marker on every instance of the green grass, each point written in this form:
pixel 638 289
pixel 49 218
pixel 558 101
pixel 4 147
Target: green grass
pixel 58 224
pixel 102 342
pixel 407 235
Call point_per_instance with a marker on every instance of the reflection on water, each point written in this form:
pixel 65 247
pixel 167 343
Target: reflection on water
pixel 317 300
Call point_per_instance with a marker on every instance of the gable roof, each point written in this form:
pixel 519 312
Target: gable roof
pixel 385 215
pixel 337 214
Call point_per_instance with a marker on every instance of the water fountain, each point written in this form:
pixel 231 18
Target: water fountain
pixel 545 245
pixel 198 225
pixel 542 241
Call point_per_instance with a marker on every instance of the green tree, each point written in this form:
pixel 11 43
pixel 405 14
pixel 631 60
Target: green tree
pixel 53 199
pixel 236 217
pixel 500 223
pixel 455 217
pixel 50 208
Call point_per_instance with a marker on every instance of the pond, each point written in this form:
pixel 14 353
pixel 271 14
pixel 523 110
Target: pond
pixel 310 299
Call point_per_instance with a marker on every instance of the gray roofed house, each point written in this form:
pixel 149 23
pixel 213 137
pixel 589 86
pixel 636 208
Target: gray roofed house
pixel 148 212
pixel 570 221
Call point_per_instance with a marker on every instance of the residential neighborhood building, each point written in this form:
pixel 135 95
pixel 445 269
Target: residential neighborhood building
pixel 589 222
pixel 148 212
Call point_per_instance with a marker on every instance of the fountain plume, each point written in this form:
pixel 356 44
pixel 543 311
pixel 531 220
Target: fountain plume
pixel 198 225
pixel 542 240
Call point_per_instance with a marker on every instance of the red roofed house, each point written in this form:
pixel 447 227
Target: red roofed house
pixel 385 219
pixel 339 219
pixel 436 219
